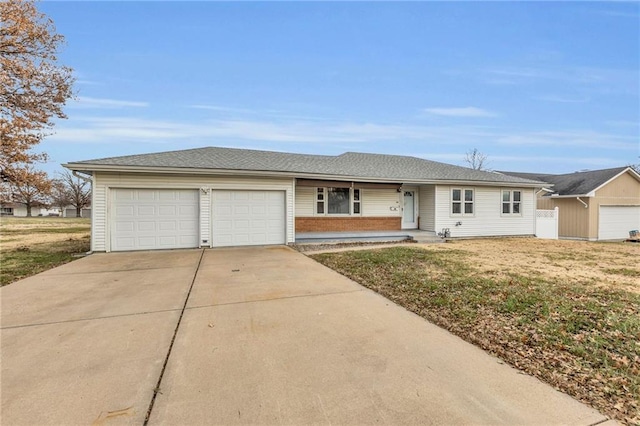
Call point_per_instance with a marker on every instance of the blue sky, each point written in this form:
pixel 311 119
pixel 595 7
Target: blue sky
pixel 537 86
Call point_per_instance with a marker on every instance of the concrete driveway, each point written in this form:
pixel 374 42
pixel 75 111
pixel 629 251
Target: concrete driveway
pixel 257 335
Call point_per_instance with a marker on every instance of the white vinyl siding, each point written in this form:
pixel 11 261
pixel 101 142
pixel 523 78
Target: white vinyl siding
pixel 487 219
pixel 305 201
pixel 205 214
pixel 380 202
pixel 374 202
pixel 427 211
pixel 615 222
pixel 104 182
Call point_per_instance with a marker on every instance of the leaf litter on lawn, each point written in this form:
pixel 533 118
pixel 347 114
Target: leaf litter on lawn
pixel 581 338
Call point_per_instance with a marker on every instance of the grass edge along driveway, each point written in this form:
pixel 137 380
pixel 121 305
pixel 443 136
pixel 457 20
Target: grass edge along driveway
pixel 583 340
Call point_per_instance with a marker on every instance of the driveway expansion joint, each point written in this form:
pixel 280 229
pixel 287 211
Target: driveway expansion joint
pixel 87 319
pixel 274 299
pixel 156 390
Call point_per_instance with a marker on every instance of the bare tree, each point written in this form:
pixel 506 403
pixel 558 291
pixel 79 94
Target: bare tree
pixel 78 191
pixel 29 187
pixel 476 159
pixel 33 87
pixel 59 195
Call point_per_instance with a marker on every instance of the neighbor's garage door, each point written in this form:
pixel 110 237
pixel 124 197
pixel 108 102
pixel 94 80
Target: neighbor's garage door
pixel 244 218
pixel 616 221
pixel 148 219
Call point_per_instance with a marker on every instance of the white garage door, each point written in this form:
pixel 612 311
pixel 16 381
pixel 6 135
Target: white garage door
pixel 148 219
pixel 244 218
pixel 616 222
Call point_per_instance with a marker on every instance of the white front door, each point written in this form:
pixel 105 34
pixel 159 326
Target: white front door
pixel 409 210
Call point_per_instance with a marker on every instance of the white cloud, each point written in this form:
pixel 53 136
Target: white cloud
pixel 87 102
pixel 461 112
pixel 563 99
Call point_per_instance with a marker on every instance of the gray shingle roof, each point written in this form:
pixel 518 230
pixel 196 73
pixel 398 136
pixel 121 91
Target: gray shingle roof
pixel 349 164
pixel 578 183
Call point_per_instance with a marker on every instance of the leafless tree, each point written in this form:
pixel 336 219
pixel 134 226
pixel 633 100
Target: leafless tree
pixel 78 191
pixel 59 195
pixel 476 159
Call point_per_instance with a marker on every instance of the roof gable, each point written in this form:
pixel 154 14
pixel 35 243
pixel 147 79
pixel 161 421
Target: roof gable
pixel 350 165
pixel 578 183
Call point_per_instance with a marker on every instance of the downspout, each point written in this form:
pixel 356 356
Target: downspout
pixel 583 203
pixel 90 180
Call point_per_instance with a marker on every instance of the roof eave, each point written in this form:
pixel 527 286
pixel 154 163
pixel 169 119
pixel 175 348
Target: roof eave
pixel 91 168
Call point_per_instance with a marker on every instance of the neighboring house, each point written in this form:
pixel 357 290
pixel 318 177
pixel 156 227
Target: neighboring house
pixel 70 211
pixel 20 210
pixel 593 205
pixel 215 197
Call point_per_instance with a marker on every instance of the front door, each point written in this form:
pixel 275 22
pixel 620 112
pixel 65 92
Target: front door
pixel 409 210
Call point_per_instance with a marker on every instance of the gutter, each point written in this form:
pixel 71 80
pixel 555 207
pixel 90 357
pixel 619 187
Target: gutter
pixel 84 178
pixel 88 168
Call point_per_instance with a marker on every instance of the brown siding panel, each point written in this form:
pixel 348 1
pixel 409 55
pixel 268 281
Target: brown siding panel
pixel 338 224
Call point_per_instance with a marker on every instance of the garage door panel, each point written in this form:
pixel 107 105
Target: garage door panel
pixel 248 218
pixel 147 219
pixel 615 222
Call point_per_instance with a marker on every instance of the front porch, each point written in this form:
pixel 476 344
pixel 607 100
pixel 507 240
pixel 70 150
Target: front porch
pixel 419 236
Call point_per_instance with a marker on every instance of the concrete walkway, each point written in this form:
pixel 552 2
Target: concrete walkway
pixel 262 336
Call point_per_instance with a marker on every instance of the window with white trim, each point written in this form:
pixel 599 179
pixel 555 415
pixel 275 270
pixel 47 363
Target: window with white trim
pixel 462 200
pixel 511 202
pixel 338 201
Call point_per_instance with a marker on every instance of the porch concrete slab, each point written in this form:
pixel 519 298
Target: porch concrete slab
pixel 90 372
pixel 265 273
pixel 350 357
pixel 63 296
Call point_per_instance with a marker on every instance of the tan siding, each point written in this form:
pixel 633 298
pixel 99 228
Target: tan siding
pixel 545 203
pixel 625 187
pixel 487 220
pixel 105 181
pixel 573 219
pixel 427 211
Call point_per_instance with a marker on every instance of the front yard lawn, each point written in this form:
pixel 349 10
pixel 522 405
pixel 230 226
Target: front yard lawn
pixel 31 245
pixel 581 337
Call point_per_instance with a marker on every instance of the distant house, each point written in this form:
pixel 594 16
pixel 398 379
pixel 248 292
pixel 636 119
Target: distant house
pixel 217 197
pixel 20 210
pixel 593 205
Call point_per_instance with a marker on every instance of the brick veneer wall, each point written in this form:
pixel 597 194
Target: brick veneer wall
pixel 337 224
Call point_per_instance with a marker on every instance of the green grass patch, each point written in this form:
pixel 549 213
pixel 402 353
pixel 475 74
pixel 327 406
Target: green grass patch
pixel 21 263
pixel 69 230
pixel 580 338
pixel 627 272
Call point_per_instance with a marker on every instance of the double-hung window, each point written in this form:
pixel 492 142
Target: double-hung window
pixel 511 202
pixel 338 201
pixel 462 200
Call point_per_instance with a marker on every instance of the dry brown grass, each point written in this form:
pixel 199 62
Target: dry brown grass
pixel 613 265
